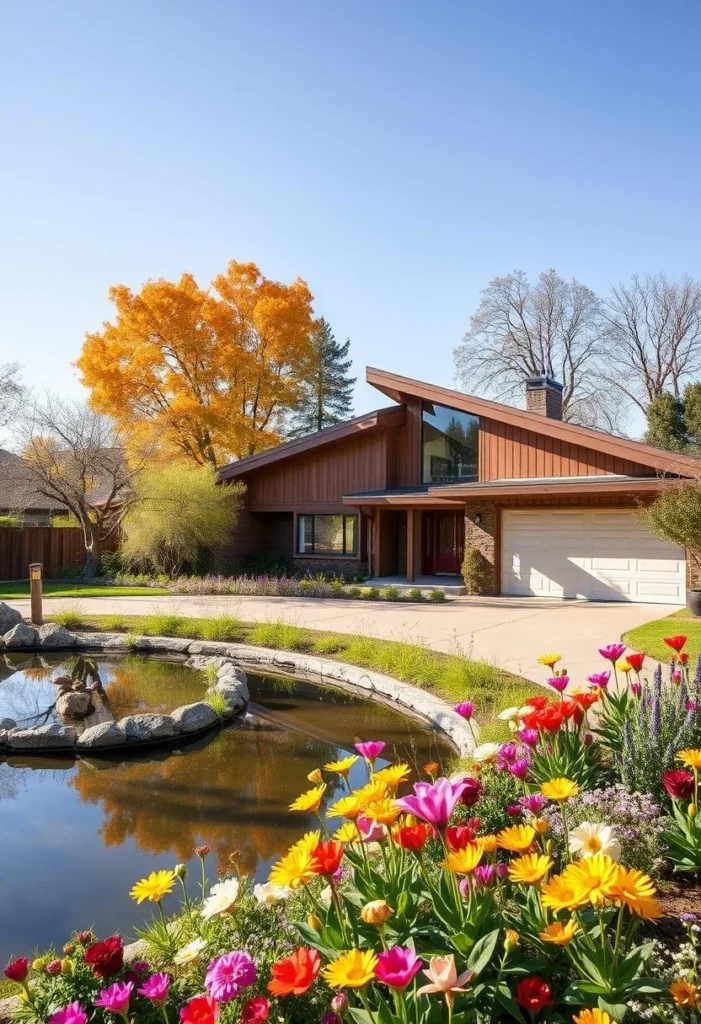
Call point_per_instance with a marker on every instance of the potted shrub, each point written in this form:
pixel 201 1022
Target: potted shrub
pixel 675 516
pixel 475 571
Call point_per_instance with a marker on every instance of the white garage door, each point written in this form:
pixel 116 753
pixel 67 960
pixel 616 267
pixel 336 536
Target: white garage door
pixel 597 555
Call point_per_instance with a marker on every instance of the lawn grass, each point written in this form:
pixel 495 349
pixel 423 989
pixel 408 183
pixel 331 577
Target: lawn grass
pixel 649 637
pixel 450 676
pixel 12 591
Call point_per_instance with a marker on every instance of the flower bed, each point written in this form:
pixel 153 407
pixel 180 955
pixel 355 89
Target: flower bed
pixel 521 889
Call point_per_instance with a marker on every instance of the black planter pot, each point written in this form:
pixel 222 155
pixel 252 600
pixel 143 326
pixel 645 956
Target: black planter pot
pixel 693 602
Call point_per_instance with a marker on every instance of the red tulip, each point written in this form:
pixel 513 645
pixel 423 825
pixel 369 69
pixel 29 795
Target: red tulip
pixel 458 837
pixel 17 970
pixel 107 957
pixel 679 783
pixel 635 661
pixel 255 1011
pixel 412 837
pixel 200 1010
pixel 533 994
pixel 327 857
pixel 675 642
pixel 537 703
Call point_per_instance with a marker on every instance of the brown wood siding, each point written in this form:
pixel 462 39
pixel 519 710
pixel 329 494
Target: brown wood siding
pixel 56 548
pixel 254 534
pixel 317 480
pixel 409 445
pixel 508 452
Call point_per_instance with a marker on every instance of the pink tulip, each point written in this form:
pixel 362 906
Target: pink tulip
pixel 433 802
pixel 529 737
pixel 599 679
pixel 371 749
pixel 370 831
pixel 156 988
pixel 443 978
pixel 397 966
pixel 559 683
pixel 636 689
pixel 116 997
pixel 612 652
pixel 465 709
pixel 71 1014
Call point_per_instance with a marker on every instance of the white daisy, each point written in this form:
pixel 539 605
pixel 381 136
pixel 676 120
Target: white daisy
pixel 486 752
pixel 269 894
pixel 221 899
pixel 594 837
pixel 188 954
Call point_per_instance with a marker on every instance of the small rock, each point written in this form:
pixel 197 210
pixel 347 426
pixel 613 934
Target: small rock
pixel 168 644
pixel 9 617
pixel 74 704
pixel 202 662
pixel 148 727
pixel 230 672
pixel 42 737
pixel 103 641
pixel 62 680
pixel 192 717
pixel 21 635
pixel 52 635
pixel 8 723
pixel 104 734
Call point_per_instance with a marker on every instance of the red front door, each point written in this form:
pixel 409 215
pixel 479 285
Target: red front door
pixel 447 543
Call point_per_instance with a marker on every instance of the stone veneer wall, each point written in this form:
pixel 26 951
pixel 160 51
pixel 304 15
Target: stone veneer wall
pixel 483 537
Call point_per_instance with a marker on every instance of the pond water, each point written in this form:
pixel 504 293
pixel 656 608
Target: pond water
pixel 76 835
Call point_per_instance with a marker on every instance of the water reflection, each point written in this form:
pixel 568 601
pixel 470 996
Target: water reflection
pixel 76 835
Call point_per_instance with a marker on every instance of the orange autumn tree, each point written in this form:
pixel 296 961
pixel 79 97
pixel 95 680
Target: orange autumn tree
pixel 207 374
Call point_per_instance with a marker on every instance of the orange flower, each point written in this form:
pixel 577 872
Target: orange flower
pixel 295 974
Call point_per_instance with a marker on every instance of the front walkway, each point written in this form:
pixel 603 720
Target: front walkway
pixel 510 632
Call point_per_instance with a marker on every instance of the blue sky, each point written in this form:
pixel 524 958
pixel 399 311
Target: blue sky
pixel 395 155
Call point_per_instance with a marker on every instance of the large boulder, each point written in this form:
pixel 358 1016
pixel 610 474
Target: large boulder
pixel 104 734
pixel 74 704
pixel 20 636
pixel 53 636
pixel 167 644
pixel 231 673
pixel 148 727
pixel 42 737
pixel 235 694
pixel 193 717
pixel 9 617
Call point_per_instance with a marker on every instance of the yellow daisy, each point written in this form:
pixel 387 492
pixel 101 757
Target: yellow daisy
pixel 489 843
pixel 346 807
pixel 353 969
pixel 309 801
pixel 516 838
pixel 635 891
pixel 559 894
pixel 347 833
pixel 560 933
pixel 595 878
pixel 464 861
pixel 155 887
pixel 341 767
pixel 296 868
pixel 309 841
pixel 371 792
pixel 529 869
pixel 550 659
pixel 595 1016
pixel 560 789
pixel 385 811
pixel 690 758
pixel 392 775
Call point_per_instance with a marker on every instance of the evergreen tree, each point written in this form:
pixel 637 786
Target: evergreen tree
pixel 692 416
pixel 327 393
pixel 666 423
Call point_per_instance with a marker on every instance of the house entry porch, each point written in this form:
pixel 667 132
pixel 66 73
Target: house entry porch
pixel 410 543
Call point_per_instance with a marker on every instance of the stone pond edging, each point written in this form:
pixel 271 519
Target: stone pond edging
pixel 231 684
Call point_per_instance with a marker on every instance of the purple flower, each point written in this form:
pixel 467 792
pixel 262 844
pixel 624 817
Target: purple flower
pixel 529 737
pixel 519 769
pixel 71 1014
pixel 689 918
pixel 600 679
pixel 371 831
pixel 508 753
pixel 691 705
pixel 612 652
pixel 559 683
pixel 433 802
pixel 502 870
pixel 397 966
pixel 370 749
pixel 514 810
pixel 635 688
pixel 156 988
pixel 116 997
pixel 330 1018
pixel 228 975
pixel 534 802
pixel 484 875
pixel 465 709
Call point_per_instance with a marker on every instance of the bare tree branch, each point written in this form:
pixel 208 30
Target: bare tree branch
pixel 12 391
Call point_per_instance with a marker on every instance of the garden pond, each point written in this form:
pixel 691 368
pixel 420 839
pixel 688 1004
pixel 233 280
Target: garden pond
pixel 76 834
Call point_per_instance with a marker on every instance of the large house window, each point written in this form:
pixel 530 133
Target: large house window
pixel 449 444
pixel 326 535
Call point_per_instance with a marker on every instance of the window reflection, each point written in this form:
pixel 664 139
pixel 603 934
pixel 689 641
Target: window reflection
pixel 449 444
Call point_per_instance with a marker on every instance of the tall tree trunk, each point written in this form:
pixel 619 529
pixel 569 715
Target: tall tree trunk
pixel 89 570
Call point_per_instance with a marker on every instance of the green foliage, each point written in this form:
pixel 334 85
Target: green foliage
pixel 327 390
pixel 675 516
pixel 115 623
pixel 415 594
pixel 224 628
pixel 70 618
pixel 217 701
pixel 355 592
pixel 330 644
pixel 179 510
pixel 692 415
pixel 391 593
pixel 475 571
pixel 111 564
pixel 167 625
pixel 666 426
pixel 281 635
pixel 371 593
pixel 11 522
pixel 437 596
pixel 683 837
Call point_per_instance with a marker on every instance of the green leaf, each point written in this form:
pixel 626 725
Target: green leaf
pixel 616 1011
pixel 505 999
pixel 482 952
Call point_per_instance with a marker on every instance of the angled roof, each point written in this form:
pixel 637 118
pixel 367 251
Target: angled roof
pixel 379 419
pixel 397 387
pixel 18 487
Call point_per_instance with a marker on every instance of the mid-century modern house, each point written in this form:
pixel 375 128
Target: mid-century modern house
pixel 399 492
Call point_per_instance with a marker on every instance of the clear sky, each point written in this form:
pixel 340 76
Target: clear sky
pixel 397 155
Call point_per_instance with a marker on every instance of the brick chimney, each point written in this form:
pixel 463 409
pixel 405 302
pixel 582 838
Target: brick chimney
pixel 544 396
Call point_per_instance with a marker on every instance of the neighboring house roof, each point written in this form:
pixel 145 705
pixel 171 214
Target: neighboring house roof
pixel 379 419
pixel 18 490
pixel 397 387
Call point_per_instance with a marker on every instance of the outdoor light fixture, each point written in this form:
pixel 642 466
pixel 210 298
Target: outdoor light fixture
pixel 478 518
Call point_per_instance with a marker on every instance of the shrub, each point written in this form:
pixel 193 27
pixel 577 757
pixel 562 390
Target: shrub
pixel 11 522
pixel 329 644
pixel 371 593
pixel 391 593
pixel 111 564
pixel 168 625
pixel 267 563
pixel 415 594
pixel 354 592
pixel 115 623
pixel 675 516
pixel 475 571
pixel 70 618
pixel 221 627
pixel 281 635
pixel 436 595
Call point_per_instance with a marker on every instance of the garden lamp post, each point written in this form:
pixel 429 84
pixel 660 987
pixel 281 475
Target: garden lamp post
pixel 35 573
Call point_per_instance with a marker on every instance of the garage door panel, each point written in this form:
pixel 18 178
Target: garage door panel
pixel 603 556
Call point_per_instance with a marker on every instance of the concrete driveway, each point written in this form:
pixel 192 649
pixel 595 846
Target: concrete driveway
pixel 510 632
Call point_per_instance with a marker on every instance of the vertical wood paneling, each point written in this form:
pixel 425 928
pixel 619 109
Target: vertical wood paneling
pixel 55 548
pixel 508 452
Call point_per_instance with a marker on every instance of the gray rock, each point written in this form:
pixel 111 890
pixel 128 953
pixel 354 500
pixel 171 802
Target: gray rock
pixel 203 661
pixel 212 647
pixel 52 635
pixel 172 644
pixel 74 704
pixel 62 680
pixel 9 617
pixel 148 727
pixel 42 737
pixel 230 673
pixel 235 695
pixel 103 641
pixel 21 635
pixel 104 734
pixel 192 717
pixel 7 723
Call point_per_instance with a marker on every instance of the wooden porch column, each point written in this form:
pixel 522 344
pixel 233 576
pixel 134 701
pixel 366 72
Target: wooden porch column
pixel 410 545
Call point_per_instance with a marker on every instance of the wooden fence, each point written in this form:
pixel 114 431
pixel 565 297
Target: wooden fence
pixel 55 547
